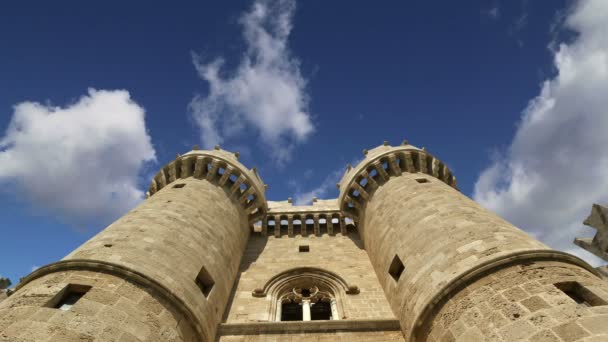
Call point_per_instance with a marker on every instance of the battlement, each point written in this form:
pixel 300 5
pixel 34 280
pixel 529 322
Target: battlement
pixel 381 163
pixel 323 216
pixel 219 167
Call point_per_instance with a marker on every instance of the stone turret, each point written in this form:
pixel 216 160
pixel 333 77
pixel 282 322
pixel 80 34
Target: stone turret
pixel 598 245
pixel 162 272
pixel 451 269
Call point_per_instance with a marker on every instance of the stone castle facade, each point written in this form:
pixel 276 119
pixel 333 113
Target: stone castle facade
pixel 400 255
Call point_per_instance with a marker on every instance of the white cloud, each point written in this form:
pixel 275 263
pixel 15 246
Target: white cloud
pixel 322 190
pixel 556 165
pixel 81 161
pixel 34 267
pixel 494 12
pixel 266 92
pixel 329 183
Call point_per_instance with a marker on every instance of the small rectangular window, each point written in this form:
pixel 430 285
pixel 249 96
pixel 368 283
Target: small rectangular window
pixel 422 180
pixel 580 294
pixel 396 268
pixel 204 282
pixel 179 186
pixel 68 296
pixel 304 249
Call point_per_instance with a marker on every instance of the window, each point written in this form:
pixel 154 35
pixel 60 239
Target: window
pixel 304 249
pixel 396 268
pixel 307 287
pixel 179 186
pixel 580 294
pixel 320 311
pixel 68 296
pixel 307 304
pixel 204 282
pixel 291 311
pixel 422 180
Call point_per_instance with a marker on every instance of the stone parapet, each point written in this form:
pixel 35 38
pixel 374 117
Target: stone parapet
pixel 379 165
pixel 322 217
pixel 222 168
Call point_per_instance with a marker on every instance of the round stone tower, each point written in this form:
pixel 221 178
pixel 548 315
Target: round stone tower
pixel 162 272
pixel 453 271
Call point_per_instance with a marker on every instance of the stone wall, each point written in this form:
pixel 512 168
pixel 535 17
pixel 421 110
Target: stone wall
pixel 266 257
pixel 112 310
pixel 521 303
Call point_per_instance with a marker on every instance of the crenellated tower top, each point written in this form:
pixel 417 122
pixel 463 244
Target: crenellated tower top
pixel 381 163
pixel 222 168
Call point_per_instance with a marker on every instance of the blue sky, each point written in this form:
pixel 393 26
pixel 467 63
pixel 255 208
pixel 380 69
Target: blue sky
pixel 95 98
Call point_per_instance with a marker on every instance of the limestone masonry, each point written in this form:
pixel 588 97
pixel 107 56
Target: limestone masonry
pixel 400 255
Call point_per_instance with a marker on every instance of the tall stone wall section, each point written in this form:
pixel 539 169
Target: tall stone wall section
pixel 267 257
pixel 411 214
pixel 143 268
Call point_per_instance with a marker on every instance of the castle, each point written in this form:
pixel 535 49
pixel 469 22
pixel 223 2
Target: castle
pixel 400 255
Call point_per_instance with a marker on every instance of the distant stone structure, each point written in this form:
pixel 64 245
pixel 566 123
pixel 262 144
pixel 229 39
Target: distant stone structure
pixel 400 255
pixel 4 284
pixel 597 245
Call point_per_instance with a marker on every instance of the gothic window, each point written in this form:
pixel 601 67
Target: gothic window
pixel 305 294
pixel 307 304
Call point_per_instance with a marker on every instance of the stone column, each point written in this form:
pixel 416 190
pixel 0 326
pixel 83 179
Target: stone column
pixel 452 270
pixel 277 317
pixel 290 225
pixel 316 228
pixel 334 310
pixel 306 310
pixel 161 272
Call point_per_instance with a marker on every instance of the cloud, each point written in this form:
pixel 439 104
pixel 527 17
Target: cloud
pixel 80 162
pixel 494 12
pixel 325 188
pixel 555 167
pixel 329 183
pixel 34 267
pixel 266 92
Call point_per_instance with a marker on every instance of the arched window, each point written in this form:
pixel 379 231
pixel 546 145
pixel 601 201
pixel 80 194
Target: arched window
pixel 305 294
pixel 307 304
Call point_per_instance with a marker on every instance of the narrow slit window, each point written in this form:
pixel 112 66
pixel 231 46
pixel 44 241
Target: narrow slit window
pixel 204 282
pixel 422 180
pixel 179 186
pixel 304 248
pixel 580 294
pixel 68 296
pixel 396 268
